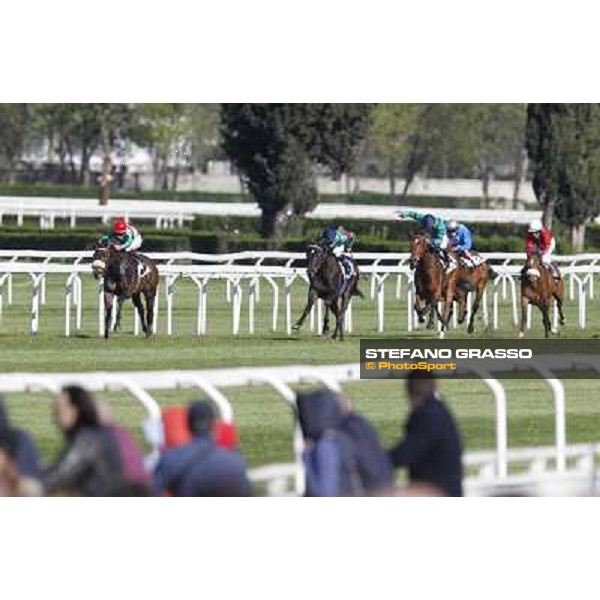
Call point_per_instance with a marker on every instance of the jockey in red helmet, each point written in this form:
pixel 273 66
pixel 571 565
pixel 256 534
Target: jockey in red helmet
pixel 541 241
pixel 123 236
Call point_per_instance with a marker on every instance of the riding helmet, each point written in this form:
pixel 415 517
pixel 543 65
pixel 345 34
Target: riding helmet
pixel 452 225
pixel 428 222
pixel 535 226
pixel 120 227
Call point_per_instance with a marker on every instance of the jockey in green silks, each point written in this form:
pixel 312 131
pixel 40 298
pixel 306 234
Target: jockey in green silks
pixel 435 227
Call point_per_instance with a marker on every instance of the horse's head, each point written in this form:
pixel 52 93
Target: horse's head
pixel 315 257
pixel 418 247
pixel 101 258
pixel 532 271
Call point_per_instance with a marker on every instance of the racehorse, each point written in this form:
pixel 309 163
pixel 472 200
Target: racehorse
pixel 126 276
pixel 326 280
pixel 538 287
pixel 429 278
pixel 459 283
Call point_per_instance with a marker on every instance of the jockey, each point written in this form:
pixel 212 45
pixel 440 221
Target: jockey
pixel 339 239
pixel 540 240
pixel 123 236
pixel 436 227
pixel 461 240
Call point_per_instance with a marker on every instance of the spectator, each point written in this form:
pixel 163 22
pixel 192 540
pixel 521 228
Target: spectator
pixel 12 481
pixel 431 448
pixel 372 462
pixel 131 457
pixel 201 467
pixel 89 465
pixel 25 451
pixel 331 467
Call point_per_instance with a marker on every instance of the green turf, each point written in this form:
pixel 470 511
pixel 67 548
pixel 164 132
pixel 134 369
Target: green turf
pixel 263 418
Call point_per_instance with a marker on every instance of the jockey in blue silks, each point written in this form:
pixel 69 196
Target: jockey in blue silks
pixel 461 241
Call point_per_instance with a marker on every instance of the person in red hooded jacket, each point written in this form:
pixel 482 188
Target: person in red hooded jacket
pixel 540 240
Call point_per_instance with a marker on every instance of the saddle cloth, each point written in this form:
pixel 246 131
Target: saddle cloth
pixel 471 264
pixel 348 271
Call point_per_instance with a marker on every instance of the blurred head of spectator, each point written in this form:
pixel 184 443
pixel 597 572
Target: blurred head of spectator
pixel 201 467
pixel 90 463
pixel 420 387
pixel 75 409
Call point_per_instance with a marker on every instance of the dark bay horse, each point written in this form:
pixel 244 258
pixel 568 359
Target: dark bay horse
pixel 325 281
pixel 429 278
pixel 126 276
pixel 459 283
pixel 538 287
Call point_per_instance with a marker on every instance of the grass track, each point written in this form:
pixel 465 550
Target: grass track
pixel 264 420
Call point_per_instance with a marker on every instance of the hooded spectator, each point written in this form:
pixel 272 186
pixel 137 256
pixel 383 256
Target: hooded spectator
pixel 329 459
pixel 132 459
pixel 372 461
pixel 25 451
pixel 89 464
pixel 431 448
pixel 200 467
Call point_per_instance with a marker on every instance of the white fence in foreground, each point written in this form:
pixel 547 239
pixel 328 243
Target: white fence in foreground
pixel 246 272
pixel 488 470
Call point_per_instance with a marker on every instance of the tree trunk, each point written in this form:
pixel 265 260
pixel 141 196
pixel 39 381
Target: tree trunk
pixel 268 223
pixel 520 176
pixel 392 176
pixel 105 178
pixel 175 178
pixel 577 237
pixel 71 160
pixel 548 212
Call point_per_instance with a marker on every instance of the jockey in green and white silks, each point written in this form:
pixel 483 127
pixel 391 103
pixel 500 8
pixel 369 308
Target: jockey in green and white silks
pixel 435 227
pixel 339 239
pixel 124 237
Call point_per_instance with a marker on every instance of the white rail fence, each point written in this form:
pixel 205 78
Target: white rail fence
pixel 247 279
pixel 487 471
pixel 168 214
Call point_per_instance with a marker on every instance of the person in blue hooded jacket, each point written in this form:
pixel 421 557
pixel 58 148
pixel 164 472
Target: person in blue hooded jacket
pixel 329 462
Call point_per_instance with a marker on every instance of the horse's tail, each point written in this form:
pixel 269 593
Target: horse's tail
pixel 492 273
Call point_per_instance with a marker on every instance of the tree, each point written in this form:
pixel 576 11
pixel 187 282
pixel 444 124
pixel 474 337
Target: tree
pixel 277 146
pixel 14 120
pixel 115 122
pixel 393 131
pixel 563 143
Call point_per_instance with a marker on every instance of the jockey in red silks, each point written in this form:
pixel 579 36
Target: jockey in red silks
pixel 540 240
pixel 123 236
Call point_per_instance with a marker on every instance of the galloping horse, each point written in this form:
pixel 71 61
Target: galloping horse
pixel 429 278
pixel 126 276
pixel 538 287
pixel 326 280
pixel 459 283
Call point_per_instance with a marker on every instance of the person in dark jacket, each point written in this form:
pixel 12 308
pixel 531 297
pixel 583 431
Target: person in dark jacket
pixel 329 459
pixel 26 454
pixel 431 448
pixel 90 464
pixel 201 467
pixel 372 461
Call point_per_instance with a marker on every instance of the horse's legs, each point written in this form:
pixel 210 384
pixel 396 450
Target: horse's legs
pixel 326 320
pixel 137 302
pixel 342 313
pixel 312 296
pixel 524 305
pixel 420 308
pixel 336 313
pixel 559 305
pixel 120 301
pixel 478 297
pixel 108 306
pixel 432 304
pixel 149 313
pixel 546 319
